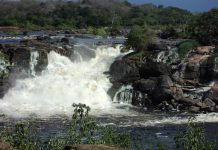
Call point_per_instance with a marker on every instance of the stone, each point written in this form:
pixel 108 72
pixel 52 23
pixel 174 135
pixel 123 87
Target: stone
pixel 209 103
pixel 122 72
pixel 194 109
pixel 5 146
pixel 213 94
pixel 205 50
pixel 145 85
pixel 153 69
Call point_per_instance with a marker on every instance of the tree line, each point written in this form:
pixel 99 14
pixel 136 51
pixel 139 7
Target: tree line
pixel 83 13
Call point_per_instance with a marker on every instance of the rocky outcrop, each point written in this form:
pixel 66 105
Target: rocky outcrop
pixel 153 69
pixel 123 72
pixel 17 60
pixel 199 65
pixel 212 95
pixel 180 85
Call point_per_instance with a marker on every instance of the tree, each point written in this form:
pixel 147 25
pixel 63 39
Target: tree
pixel 139 38
pixel 207 27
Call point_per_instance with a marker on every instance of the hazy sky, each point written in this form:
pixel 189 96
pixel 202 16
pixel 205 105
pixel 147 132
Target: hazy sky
pixel 192 5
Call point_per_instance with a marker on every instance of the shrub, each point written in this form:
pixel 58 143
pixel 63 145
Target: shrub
pixel 194 138
pixel 185 46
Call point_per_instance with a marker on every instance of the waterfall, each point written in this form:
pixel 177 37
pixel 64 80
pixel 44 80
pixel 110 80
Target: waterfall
pixel 61 84
pixel 124 95
pixel 34 55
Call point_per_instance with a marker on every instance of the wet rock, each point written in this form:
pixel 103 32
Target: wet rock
pixel 44 38
pixel 65 41
pixel 153 69
pixel 194 109
pixel 166 90
pixel 91 147
pixel 122 72
pixel 199 65
pixel 209 103
pixel 145 85
pixel 141 99
pixel 213 94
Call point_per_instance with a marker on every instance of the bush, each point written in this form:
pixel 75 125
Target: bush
pixel 194 138
pixel 186 46
pixel 139 38
pixel 83 130
pixel 100 31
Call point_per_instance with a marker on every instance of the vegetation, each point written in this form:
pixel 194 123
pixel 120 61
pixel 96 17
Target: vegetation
pixel 33 14
pixel 194 138
pixel 207 27
pixel 185 46
pixel 83 130
pixel 139 38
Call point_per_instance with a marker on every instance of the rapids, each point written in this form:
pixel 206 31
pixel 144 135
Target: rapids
pixel 63 83
pixel 83 80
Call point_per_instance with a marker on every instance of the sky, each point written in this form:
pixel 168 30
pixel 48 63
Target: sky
pixel 191 5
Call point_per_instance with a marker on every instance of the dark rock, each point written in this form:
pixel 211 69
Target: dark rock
pixel 160 47
pixel 165 90
pixel 194 109
pixel 145 85
pixel 122 72
pixel 141 99
pixel 43 38
pixel 153 69
pixel 209 103
pixel 65 41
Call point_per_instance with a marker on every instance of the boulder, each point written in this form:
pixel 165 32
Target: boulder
pixel 153 69
pixel 213 94
pixel 65 41
pixel 199 65
pixel 122 72
pixel 194 109
pixel 145 85
pixel 166 90
pixel 205 50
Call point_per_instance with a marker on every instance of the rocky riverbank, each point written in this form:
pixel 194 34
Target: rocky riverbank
pixel 160 79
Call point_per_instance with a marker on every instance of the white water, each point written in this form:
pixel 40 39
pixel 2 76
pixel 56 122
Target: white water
pixel 63 83
pixel 124 95
pixel 33 62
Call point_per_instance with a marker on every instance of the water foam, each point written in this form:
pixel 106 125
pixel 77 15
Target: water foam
pixel 63 83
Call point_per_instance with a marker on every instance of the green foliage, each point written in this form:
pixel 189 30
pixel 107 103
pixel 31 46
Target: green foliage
pixel 139 38
pixel 62 14
pixel 25 137
pixel 83 130
pixel 90 30
pixel 112 137
pixel 194 138
pixel 100 31
pixel 185 46
pixel 207 27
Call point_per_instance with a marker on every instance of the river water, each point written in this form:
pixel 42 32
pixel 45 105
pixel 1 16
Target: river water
pixel 49 96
